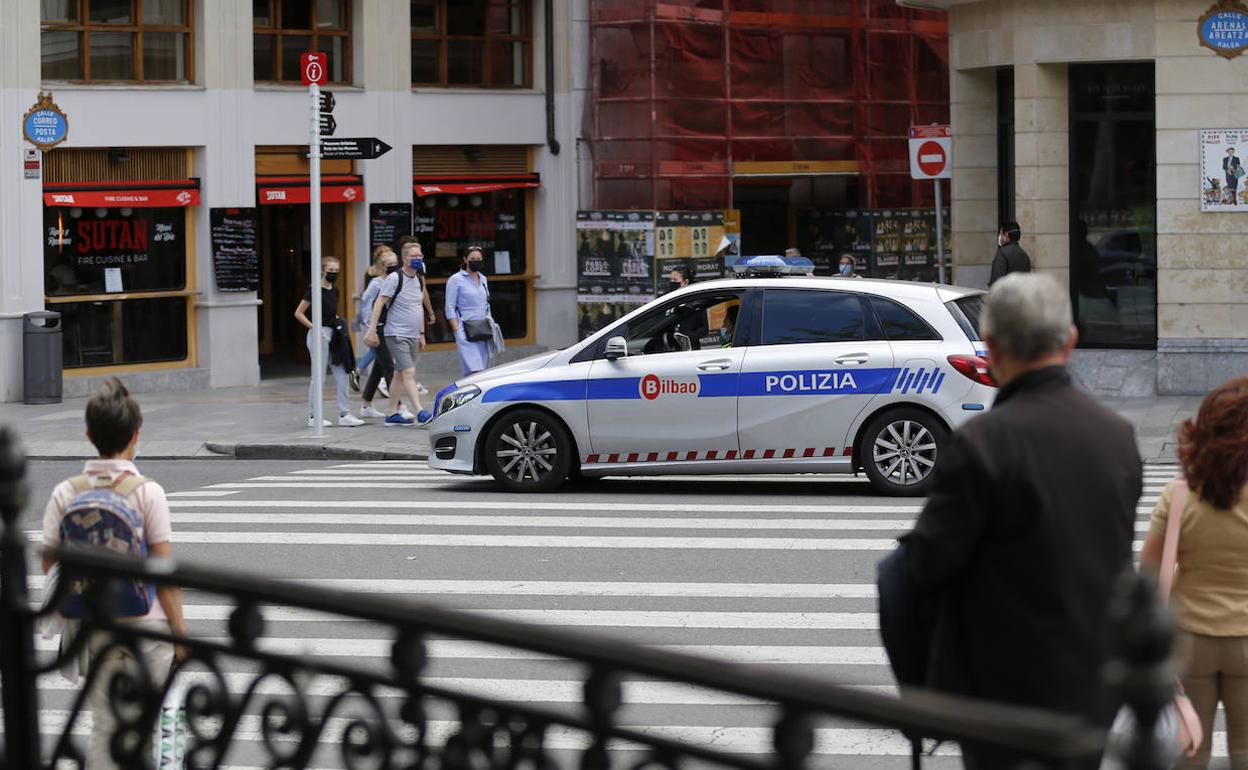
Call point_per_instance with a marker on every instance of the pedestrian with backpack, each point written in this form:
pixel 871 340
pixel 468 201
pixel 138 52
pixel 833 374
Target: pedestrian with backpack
pixel 111 505
pixel 401 298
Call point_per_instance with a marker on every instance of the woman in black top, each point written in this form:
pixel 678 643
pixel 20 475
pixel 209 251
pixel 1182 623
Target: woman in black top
pixel 331 325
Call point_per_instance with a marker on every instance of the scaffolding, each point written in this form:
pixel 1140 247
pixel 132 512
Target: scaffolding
pixel 686 93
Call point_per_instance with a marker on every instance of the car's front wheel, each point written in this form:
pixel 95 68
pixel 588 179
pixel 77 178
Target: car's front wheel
pixel 899 451
pixel 528 451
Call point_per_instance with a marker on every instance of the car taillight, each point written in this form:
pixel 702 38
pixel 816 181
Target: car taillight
pixel 974 368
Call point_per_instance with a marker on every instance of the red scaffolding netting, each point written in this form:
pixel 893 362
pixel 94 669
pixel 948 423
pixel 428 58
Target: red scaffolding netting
pixel 684 89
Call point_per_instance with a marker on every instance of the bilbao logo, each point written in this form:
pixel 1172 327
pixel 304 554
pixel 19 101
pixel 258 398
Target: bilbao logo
pixel 652 386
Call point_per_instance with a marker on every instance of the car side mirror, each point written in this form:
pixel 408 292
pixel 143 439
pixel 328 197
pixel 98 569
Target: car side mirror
pixel 617 347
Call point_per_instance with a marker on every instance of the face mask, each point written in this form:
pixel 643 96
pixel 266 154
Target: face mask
pixel 331 277
pixel 474 265
pixel 391 268
pixel 846 268
pixel 416 263
pixel 673 285
pixel 724 334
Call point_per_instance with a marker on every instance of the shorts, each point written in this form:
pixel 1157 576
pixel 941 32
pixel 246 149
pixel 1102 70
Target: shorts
pixel 403 350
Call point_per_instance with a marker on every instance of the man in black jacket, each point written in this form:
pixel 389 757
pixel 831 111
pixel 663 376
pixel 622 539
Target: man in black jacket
pixel 1029 522
pixel 1010 257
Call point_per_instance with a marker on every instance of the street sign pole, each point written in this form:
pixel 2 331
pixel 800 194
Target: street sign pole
pixel 314 165
pixel 940 235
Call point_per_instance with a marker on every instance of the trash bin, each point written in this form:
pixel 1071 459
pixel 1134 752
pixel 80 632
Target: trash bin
pixel 41 357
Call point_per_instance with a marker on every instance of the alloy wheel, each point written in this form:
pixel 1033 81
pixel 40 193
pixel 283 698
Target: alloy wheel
pixel 526 452
pixel 904 452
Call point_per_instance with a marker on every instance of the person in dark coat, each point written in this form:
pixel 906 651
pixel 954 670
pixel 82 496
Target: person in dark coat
pixel 1010 257
pixel 1030 520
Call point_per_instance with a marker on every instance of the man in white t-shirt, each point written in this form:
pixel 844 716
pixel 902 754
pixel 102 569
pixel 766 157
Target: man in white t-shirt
pixel 402 298
pixel 113 424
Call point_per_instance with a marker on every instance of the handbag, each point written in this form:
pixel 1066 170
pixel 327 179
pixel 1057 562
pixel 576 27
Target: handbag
pixel 478 329
pixel 1178 725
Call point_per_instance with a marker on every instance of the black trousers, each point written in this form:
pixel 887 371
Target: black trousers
pixel 383 366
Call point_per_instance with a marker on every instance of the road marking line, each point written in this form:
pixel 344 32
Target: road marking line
pixel 509 503
pixel 447 649
pixel 581 589
pixel 578 522
pixel 203 493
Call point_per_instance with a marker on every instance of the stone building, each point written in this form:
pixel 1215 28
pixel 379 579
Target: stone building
pixel 1086 121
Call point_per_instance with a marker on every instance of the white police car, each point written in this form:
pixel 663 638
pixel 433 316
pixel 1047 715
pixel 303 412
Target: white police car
pixel 747 375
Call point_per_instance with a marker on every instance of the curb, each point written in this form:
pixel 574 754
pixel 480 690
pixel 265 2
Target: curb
pixel 298 452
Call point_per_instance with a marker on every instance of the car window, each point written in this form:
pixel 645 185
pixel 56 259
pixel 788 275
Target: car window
pixel 899 323
pixel 966 312
pixel 699 322
pixel 792 316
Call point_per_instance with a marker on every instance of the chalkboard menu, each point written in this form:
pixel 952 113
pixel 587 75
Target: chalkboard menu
pixel 235 260
pixel 387 223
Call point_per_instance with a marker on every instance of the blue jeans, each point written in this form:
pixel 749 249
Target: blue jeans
pixel 366 359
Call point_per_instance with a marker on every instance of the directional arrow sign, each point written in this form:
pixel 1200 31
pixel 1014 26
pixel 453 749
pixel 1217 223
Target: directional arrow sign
pixel 327 102
pixel 354 148
pixel 328 125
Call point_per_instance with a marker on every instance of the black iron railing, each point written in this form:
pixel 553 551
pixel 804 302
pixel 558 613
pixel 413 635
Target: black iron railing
pixel 381 711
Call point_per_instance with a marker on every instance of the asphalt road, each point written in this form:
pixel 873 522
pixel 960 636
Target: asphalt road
pixel 777 571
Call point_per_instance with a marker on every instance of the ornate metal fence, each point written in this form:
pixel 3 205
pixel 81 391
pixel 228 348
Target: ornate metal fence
pixel 380 714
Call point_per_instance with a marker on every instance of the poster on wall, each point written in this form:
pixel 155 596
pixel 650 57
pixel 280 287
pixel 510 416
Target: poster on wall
pixel 1223 169
pixel 387 223
pixel 690 240
pixel 614 254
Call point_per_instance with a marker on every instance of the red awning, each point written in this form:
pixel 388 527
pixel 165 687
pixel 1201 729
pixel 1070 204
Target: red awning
pixel 133 195
pixel 470 185
pixel 278 190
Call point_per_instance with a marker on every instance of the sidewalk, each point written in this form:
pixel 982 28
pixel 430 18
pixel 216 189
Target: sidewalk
pixel 264 422
pixel 270 422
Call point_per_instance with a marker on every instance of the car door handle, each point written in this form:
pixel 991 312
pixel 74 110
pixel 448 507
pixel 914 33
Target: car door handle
pixel 852 359
pixel 717 365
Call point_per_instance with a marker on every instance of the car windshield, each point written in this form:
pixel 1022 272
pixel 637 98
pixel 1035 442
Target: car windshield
pixel 968 310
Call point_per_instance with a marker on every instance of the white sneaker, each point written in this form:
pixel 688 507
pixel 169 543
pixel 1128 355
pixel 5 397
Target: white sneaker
pixel 421 389
pixel 349 420
pixel 404 411
pixel 368 411
pixel 383 388
pixel 312 422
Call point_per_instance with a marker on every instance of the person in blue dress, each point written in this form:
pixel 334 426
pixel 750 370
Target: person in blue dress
pixel 468 299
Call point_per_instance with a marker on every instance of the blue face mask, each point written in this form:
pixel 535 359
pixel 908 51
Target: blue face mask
pixel 416 264
pixel 846 269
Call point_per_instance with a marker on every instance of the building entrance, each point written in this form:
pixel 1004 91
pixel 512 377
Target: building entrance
pixel 285 249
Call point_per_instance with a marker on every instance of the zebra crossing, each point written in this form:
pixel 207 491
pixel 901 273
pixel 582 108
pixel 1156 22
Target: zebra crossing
pixel 744 569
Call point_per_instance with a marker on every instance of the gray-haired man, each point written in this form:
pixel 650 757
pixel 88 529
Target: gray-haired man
pixel 1030 520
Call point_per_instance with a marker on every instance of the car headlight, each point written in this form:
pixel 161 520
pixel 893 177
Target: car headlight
pixel 458 398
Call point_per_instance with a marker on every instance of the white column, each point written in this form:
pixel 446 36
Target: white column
pixel 557 200
pixel 21 202
pixel 228 333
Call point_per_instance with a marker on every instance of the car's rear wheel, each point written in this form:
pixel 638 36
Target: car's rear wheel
pixel 900 449
pixel 528 451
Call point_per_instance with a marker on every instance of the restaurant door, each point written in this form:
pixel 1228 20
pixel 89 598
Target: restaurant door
pixel 285 274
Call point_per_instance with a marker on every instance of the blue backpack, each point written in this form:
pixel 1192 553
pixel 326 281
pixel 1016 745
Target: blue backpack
pixel 100 517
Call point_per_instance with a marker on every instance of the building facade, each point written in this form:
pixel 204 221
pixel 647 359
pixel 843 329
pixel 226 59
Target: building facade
pixel 1109 129
pixel 187 116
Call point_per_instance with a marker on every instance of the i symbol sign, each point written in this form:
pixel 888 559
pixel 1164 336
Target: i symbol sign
pixel 313 66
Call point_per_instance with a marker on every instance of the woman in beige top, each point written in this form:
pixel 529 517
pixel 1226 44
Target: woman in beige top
pixel 1210 593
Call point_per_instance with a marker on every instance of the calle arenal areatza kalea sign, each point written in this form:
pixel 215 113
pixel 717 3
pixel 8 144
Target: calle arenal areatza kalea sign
pixel 1223 28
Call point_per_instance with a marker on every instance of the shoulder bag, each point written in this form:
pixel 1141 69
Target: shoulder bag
pixel 480 329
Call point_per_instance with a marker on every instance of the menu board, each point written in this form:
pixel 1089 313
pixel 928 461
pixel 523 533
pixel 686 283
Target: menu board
pixel 235 259
pixel 387 223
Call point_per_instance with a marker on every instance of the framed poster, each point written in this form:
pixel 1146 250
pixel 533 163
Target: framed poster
pixel 1223 169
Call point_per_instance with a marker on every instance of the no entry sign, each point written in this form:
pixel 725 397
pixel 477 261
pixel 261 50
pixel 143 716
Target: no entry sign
pixel 930 152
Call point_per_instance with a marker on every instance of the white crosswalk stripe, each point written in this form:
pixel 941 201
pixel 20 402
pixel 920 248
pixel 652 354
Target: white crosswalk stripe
pixel 449 523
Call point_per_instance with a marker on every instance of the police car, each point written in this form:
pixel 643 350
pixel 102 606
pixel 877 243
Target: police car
pixel 763 373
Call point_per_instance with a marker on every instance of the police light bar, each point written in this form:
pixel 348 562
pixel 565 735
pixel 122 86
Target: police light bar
pixel 771 264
